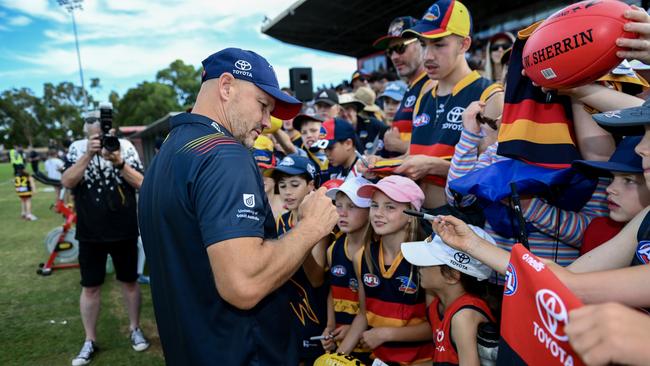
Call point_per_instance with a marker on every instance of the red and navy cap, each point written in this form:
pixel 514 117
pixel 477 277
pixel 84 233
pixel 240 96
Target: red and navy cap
pixel 443 18
pixel 359 74
pixel 336 129
pixel 251 67
pixel 395 30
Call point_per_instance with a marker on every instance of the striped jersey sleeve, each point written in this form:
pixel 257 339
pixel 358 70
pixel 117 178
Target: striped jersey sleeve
pixel 467 159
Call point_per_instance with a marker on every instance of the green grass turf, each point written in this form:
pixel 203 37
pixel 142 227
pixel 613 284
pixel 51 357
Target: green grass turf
pixel 29 302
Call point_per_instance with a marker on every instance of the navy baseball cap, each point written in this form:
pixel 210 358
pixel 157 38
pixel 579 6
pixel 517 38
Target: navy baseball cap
pixel 626 122
pixel 295 164
pixel 623 160
pixel 395 29
pixel 337 129
pixel 251 67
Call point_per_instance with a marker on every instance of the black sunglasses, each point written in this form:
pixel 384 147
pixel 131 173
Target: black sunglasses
pixel 503 46
pixel 400 48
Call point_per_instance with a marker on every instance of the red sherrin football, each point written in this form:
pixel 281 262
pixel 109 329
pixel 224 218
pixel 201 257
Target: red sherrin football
pixel 576 45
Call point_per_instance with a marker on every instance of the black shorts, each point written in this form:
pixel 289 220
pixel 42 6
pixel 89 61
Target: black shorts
pixel 92 261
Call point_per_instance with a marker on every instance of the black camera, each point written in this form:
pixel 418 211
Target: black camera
pixel 109 142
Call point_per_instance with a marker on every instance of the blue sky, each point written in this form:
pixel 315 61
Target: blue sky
pixel 124 42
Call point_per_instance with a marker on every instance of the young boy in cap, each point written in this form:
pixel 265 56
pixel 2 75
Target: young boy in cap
pixel 391 98
pixel 341 146
pixel 445 34
pixel 405 52
pixel 627 194
pixel 307 290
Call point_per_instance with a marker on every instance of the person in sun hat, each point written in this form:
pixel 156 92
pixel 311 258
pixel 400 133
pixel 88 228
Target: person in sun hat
pixel 217 269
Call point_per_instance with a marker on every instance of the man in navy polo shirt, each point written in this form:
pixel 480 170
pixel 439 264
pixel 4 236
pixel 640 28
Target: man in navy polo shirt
pixel 217 270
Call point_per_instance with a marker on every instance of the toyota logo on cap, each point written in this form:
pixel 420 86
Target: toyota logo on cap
pixel 461 258
pixel 243 65
pixel 552 312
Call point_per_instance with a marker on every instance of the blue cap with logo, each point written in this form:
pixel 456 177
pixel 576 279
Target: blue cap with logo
pixel 337 129
pixel 623 160
pixel 295 164
pixel 251 67
pixel 395 30
pixel 394 90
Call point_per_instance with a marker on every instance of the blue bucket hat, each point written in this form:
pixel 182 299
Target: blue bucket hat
pixel 623 160
pixel 251 67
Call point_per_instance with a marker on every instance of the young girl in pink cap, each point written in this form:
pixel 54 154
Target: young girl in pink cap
pixel 392 317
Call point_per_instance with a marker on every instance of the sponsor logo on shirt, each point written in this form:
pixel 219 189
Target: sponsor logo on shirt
pixel 454 119
pixel 338 271
pixel 370 280
pixel 406 285
pixel 249 200
pixel 410 101
pixel 421 120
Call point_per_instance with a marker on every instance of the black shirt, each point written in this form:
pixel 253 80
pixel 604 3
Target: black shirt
pixel 105 202
pixel 202 188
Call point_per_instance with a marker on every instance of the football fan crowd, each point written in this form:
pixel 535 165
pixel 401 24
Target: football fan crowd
pixel 447 216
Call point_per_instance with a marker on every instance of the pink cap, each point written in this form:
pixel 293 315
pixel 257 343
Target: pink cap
pixel 397 188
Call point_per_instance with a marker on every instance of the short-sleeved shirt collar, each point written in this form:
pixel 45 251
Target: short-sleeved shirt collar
pixel 188 118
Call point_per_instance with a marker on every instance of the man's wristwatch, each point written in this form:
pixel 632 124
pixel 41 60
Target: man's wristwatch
pixel 120 166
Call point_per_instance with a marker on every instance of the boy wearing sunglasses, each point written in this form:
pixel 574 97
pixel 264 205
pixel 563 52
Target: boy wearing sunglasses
pixel 444 33
pixel 406 55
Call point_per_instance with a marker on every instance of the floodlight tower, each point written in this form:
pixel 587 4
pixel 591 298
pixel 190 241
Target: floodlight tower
pixel 71 6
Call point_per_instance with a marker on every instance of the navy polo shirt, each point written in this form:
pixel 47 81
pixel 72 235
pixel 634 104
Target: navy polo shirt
pixel 202 188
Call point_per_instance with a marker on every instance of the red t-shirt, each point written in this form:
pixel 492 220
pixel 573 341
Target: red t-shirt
pixel 600 230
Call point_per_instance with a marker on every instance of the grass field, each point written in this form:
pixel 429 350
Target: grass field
pixel 39 316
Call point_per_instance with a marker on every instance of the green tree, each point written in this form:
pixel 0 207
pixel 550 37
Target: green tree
pixel 146 103
pixel 62 109
pixel 185 79
pixel 19 117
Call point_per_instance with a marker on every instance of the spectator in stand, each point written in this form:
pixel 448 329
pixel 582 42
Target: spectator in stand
pixel 266 161
pixel 327 103
pixel 496 46
pixel 405 52
pixel 627 194
pixel 391 99
pixel 368 98
pixel 369 130
pixel 359 78
pixel 294 134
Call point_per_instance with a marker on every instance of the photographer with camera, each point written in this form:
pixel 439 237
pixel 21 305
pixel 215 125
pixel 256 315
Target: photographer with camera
pixel 104 173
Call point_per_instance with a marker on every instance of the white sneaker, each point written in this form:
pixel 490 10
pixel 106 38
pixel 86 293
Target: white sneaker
pixel 138 341
pixel 85 355
pixel 31 217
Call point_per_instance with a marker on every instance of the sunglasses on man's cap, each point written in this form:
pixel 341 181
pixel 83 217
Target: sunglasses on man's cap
pixel 400 48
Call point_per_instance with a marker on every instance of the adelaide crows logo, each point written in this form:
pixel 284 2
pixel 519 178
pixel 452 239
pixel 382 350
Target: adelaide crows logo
pixel 406 285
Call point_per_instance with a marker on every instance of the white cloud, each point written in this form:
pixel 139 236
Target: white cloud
pixel 19 21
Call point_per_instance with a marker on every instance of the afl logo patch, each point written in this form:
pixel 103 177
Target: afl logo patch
pixel 643 251
pixel 338 271
pixel 511 281
pixel 421 120
pixel 370 280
